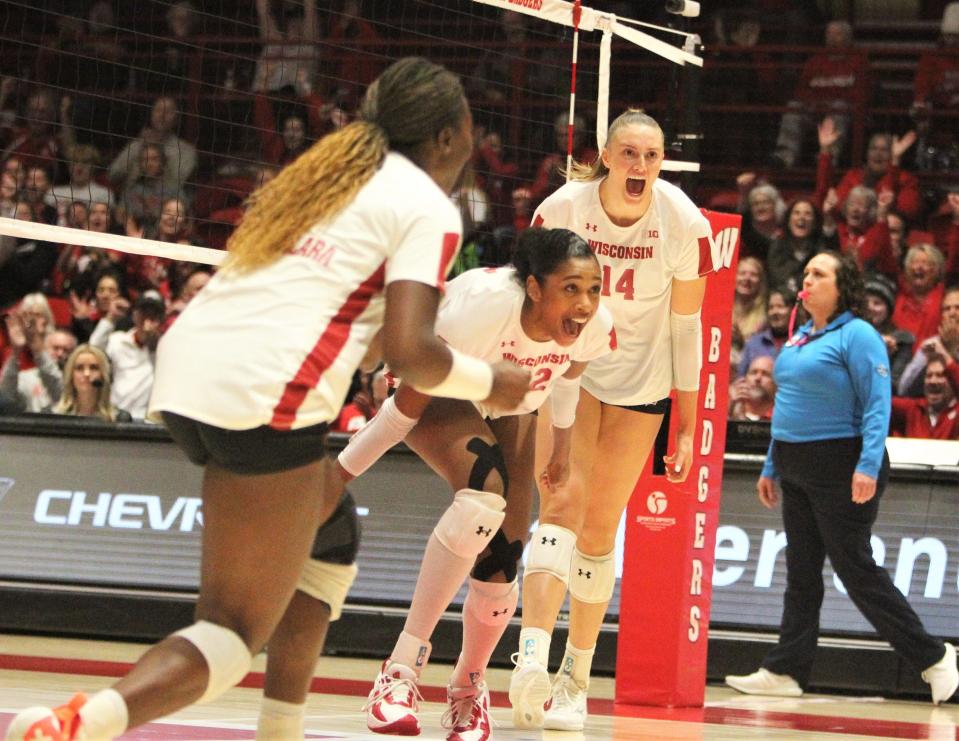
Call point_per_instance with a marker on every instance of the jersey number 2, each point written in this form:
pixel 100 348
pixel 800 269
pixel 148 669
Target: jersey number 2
pixel 540 379
pixel 624 285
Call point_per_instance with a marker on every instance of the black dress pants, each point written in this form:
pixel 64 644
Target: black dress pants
pixel 821 519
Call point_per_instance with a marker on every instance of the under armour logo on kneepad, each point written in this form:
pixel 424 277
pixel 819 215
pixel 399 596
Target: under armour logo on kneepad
pixel 549 541
pixel 483 531
pixel 587 574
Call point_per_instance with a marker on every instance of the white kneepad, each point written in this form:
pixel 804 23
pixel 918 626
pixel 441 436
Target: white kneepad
pixel 227 657
pixel 550 551
pixel 592 578
pixel 327 582
pixel 469 523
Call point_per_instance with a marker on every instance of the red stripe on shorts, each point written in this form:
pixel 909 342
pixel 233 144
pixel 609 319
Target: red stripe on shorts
pixel 538 221
pixel 325 351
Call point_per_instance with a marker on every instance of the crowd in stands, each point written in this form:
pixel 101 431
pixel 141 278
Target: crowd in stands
pixel 73 312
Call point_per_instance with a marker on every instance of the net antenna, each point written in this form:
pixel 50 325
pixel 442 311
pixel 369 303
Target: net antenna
pixel 574 15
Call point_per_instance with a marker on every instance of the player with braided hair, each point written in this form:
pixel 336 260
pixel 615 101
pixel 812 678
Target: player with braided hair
pixel 354 236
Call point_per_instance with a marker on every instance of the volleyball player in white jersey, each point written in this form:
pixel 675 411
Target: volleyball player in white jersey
pixel 652 243
pixel 355 235
pixel 542 313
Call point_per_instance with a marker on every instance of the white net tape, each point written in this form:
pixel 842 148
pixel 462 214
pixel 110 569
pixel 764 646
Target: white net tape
pixel 131 245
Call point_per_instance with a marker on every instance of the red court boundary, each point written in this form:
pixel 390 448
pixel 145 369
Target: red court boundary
pixel 726 716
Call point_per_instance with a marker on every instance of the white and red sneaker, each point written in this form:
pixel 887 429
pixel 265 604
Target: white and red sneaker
pixel 394 701
pixel 467 716
pixel 49 724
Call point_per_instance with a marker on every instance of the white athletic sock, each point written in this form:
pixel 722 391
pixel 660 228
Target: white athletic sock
pixel 576 664
pixel 534 642
pixel 104 716
pixel 373 439
pixel 411 651
pixel 441 575
pixel 280 721
pixel 486 613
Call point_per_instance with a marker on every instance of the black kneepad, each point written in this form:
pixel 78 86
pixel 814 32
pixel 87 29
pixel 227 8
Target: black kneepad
pixel 338 539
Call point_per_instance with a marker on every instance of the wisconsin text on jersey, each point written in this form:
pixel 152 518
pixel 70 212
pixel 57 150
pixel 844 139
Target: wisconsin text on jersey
pixel 552 358
pixel 620 251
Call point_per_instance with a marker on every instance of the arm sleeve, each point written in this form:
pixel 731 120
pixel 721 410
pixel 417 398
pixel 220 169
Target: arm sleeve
pixel 8 378
pixel 868 365
pixel 50 375
pixel 912 373
pixel 101 333
pixel 824 176
pixel 769 468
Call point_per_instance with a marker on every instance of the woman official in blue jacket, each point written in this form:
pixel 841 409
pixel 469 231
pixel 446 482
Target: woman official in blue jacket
pixel 828 454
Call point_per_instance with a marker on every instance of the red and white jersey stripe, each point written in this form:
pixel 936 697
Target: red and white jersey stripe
pixel 278 346
pixel 639 263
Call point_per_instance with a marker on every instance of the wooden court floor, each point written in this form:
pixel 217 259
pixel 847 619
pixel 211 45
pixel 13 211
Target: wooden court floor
pixel 47 671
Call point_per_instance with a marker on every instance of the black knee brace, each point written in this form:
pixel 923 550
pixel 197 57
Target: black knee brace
pixel 488 458
pixel 503 556
pixel 338 539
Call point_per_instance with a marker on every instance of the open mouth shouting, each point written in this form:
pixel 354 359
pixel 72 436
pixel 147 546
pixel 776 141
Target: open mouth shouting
pixel 635 186
pixel 573 327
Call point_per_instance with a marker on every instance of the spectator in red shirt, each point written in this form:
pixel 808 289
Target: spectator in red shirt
pixel 34 143
pixel 365 403
pixel 834 83
pixel 880 171
pixel 945 344
pixel 860 228
pixel 936 415
pixel 944 226
pixel 921 292
pixel 496 175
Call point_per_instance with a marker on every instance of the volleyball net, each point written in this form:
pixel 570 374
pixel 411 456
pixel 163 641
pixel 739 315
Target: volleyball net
pixel 154 121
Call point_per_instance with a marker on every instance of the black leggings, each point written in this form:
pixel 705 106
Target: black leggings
pixel 821 519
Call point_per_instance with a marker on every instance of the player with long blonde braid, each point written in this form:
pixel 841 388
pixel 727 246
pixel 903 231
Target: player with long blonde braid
pixel 354 236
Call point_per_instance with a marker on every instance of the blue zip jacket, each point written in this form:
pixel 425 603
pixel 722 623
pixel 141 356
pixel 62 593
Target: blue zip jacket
pixel 833 384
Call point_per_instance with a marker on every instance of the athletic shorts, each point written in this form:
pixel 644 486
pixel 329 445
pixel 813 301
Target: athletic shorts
pixel 657 407
pixel 261 450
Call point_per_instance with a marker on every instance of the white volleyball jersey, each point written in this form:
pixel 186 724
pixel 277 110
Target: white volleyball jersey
pixel 278 346
pixel 480 316
pixel 639 263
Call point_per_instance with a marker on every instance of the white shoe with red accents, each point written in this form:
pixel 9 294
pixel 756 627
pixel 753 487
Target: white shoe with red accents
pixel 49 724
pixel 467 716
pixel 394 701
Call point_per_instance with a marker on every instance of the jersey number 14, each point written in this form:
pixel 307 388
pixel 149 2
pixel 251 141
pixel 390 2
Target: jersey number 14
pixel 624 285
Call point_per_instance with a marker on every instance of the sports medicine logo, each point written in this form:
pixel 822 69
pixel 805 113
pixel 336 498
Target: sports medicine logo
pixel 656 503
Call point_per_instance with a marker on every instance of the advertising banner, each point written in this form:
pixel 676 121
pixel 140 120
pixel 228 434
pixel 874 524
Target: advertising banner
pixel 670 529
